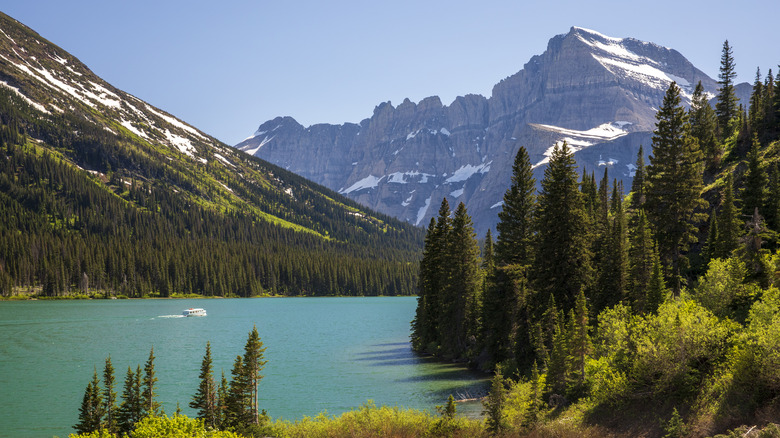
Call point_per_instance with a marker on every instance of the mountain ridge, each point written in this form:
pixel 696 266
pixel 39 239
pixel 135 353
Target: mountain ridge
pixel 73 143
pixel 584 81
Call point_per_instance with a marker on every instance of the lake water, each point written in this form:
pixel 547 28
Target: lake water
pixel 324 354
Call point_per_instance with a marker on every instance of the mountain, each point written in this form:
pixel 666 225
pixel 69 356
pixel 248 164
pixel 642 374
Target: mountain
pixel 598 93
pixel 102 192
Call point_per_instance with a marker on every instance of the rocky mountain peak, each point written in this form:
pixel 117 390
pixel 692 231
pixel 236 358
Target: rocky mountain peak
pixel 598 93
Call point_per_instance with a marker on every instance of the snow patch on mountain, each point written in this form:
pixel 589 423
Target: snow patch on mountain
pixel 32 103
pixel 424 209
pixel 578 140
pixel 467 171
pixel 253 151
pixel 369 182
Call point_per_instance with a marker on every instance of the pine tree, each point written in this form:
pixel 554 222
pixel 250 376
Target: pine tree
pixel 109 398
pixel 222 402
pixel 710 249
pixel 205 400
pixel 433 280
pixel 237 401
pixel 563 260
pixel 756 111
pixel 253 363
pixel 674 180
pixel 149 405
pixel 515 220
pixel 488 253
pixel 726 105
pixel 656 289
pixel 640 255
pixel 424 325
pixel 579 343
pixel 559 365
pixel 729 225
pixel 772 199
pixel 91 410
pixel 462 288
pixel 493 405
pixel 638 183
pixel 130 409
pixel 612 281
pixel 704 127
pixel 755 181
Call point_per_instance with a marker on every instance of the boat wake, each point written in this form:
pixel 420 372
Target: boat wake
pixel 171 316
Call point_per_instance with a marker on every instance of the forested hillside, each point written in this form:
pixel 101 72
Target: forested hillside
pixel 654 314
pixel 100 193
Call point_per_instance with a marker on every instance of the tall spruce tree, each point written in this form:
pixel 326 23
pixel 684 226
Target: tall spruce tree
pixel 253 364
pixel 674 180
pixel 236 412
pixel 457 317
pixel 109 398
pixel 515 220
pixel 424 325
pixel 563 257
pixel 726 105
pixel 129 411
pixel 612 280
pixel 704 127
pixel 91 410
pixel 729 225
pixel 640 256
pixel 149 405
pixel 755 181
pixel 638 184
pixel 205 399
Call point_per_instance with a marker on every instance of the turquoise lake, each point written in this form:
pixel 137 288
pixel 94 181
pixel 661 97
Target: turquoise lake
pixel 324 354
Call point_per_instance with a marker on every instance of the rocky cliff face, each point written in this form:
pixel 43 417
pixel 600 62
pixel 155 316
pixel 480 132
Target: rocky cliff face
pixel 597 93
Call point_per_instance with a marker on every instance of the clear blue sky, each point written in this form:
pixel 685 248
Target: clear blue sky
pixel 226 66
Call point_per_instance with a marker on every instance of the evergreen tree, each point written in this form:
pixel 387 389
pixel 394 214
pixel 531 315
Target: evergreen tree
pixel 638 183
pixel 563 260
pixel 253 364
pixel 222 402
pixel 755 181
pixel 205 399
pixel 488 257
pixel 426 335
pixel 772 199
pixel 148 403
pixel 462 288
pixel 674 180
pixel 130 409
pixel 710 249
pixel 109 398
pixel 726 105
pixel 493 405
pixel 656 289
pixel 502 323
pixel 559 364
pixel 424 325
pixel 579 343
pixel 515 220
pixel 91 410
pixel 756 110
pixel 704 127
pixel 612 281
pixel 729 225
pixel 237 401
pixel 640 255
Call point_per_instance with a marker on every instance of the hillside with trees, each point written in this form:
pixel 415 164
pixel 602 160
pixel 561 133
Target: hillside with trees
pixel 102 194
pixel 651 314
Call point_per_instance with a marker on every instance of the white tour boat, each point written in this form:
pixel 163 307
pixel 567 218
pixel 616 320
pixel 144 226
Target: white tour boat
pixel 194 312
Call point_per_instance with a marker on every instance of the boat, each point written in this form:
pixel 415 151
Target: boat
pixel 194 312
